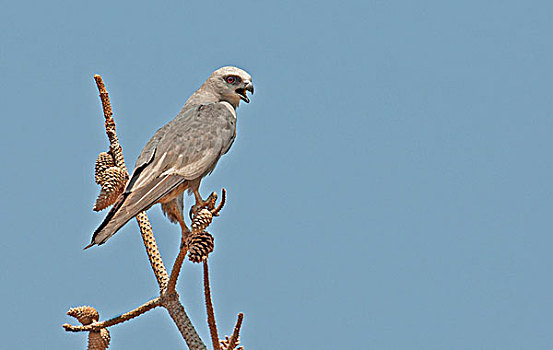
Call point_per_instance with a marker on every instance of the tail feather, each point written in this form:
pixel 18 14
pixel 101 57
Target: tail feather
pixel 132 203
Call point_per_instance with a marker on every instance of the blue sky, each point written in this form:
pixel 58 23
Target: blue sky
pixel 390 185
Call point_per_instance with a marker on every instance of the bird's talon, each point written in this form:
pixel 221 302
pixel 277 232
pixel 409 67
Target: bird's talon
pixel 211 201
pixel 193 210
pixel 209 204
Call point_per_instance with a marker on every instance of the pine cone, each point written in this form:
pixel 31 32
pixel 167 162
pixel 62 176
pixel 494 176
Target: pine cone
pixel 84 314
pixel 103 163
pixel 97 340
pixel 199 246
pixel 113 183
pixel 202 220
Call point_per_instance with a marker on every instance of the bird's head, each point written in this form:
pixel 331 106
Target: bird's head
pixel 231 84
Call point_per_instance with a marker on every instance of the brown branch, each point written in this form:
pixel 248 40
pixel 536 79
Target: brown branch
pixel 152 250
pixel 176 311
pixel 175 272
pixel 234 338
pixel 209 308
pixel 170 300
pixel 96 326
pixel 115 147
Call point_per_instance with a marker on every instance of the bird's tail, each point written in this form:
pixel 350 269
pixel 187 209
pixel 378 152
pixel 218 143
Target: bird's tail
pixel 132 203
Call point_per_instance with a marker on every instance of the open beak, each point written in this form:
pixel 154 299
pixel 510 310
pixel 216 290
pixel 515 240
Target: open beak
pixel 242 92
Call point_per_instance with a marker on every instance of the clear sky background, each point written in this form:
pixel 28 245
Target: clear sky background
pixel 390 186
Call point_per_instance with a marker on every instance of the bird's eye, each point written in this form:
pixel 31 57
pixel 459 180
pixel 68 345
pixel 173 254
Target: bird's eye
pixel 230 79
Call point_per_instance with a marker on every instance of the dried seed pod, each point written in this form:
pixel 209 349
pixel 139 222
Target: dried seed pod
pixel 117 152
pixel 202 220
pixel 84 314
pixel 199 246
pixel 103 163
pixel 98 340
pixel 113 183
pixel 114 179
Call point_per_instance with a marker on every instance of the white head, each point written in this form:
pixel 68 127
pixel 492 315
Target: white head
pixel 225 84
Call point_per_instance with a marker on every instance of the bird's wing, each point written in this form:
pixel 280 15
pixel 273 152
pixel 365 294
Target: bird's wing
pixel 130 204
pixel 187 148
pixel 147 155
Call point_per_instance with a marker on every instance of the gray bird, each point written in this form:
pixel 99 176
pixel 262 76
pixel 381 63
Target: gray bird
pixel 182 152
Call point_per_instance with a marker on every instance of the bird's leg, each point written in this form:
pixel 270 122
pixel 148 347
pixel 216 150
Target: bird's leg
pixel 185 231
pixel 184 228
pixel 209 203
pixel 174 211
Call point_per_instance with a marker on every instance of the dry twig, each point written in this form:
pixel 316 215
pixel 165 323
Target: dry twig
pixel 96 326
pixel 236 333
pixel 209 308
pixel 175 272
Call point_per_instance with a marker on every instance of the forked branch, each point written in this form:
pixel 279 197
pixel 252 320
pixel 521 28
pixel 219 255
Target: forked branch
pixel 236 333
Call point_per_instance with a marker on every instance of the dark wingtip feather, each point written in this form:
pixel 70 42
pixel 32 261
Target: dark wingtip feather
pixel 139 200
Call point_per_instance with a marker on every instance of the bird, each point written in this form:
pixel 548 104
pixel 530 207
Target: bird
pixel 181 153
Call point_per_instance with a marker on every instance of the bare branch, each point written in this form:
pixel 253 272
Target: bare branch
pixel 96 326
pixel 175 272
pixel 176 311
pixel 152 250
pixel 234 338
pixel 115 147
pixel 209 308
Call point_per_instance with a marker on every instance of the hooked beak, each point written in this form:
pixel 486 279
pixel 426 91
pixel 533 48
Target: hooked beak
pixel 242 92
